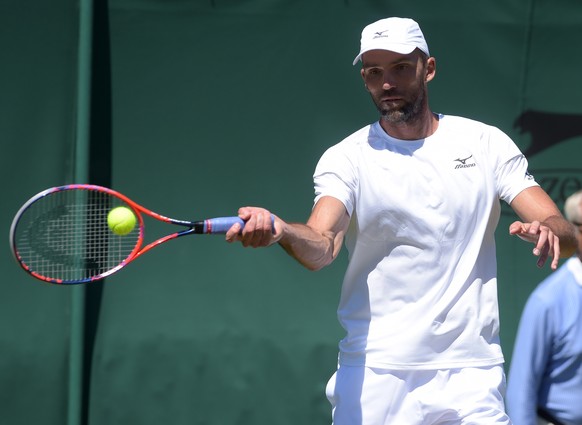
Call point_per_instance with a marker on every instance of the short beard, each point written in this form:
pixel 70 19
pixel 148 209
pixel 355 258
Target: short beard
pixel 408 113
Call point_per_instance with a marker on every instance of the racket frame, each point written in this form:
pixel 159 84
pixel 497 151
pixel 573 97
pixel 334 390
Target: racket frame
pixel 204 226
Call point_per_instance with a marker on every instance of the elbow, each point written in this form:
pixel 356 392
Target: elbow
pixel 316 265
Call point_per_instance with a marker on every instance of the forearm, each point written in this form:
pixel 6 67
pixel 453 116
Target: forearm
pixel 314 244
pixel 565 232
pixel 311 248
pixel 543 225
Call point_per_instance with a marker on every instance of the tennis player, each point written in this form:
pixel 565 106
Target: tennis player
pixel 416 196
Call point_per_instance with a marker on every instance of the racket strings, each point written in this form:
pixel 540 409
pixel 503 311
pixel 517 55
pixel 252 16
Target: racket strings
pixel 65 236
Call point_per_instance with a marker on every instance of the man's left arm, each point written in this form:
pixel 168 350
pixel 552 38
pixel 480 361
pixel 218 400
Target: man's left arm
pixel 543 225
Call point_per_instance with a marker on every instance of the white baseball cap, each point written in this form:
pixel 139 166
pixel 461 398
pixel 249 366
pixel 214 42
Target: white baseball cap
pixel 400 35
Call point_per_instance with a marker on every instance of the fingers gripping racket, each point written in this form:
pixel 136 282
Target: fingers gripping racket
pixel 61 235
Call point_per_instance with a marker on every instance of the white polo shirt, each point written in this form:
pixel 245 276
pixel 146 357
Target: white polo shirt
pixel 420 290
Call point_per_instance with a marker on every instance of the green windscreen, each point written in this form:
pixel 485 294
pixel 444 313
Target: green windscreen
pixel 201 107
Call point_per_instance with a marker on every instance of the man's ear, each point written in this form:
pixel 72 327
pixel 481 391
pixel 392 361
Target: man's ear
pixel 362 74
pixel 430 69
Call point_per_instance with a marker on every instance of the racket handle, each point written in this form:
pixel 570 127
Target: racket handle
pixel 221 225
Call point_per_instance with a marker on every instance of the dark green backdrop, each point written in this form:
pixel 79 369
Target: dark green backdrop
pixel 194 108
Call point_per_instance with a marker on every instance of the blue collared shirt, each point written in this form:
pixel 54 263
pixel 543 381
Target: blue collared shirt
pixel 546 366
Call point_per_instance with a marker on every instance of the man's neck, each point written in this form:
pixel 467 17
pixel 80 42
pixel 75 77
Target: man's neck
pixel 421 128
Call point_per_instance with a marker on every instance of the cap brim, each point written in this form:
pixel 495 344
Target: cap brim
pixel 403 49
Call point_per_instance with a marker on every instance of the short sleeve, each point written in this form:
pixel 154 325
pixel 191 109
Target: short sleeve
pixel 335 175
pixel 513 177
pixel 511 166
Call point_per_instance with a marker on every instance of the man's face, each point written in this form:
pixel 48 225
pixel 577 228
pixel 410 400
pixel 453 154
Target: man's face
pixel 397 83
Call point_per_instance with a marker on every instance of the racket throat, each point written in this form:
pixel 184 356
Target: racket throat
pixel 199 227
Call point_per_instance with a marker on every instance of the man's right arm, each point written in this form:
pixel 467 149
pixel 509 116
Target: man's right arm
pixel 314 244
pixel 317 243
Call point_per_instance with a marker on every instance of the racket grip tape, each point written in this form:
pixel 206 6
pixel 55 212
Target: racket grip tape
pixel 221 225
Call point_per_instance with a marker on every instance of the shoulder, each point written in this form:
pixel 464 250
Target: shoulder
pixel 358 137
pixel 493 142
pixel 352 143
pixel 455 122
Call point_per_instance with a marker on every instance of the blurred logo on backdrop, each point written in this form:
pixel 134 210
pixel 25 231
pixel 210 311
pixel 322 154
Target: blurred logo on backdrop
pixel 560 177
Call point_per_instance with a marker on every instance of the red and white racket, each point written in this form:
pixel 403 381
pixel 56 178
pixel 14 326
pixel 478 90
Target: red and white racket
pixel 61 234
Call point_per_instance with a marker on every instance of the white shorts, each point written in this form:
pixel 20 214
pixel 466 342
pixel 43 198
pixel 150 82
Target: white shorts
pixel 368 396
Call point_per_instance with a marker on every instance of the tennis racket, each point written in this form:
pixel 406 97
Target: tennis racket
pixel 61 234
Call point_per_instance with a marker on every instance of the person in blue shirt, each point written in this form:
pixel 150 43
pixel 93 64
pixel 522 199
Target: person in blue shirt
pixel 545 377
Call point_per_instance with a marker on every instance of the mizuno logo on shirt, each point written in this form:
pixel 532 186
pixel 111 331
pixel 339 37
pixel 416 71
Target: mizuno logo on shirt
pixel 462 163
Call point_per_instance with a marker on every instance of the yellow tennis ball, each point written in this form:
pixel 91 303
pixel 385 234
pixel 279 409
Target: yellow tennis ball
pixel 121 220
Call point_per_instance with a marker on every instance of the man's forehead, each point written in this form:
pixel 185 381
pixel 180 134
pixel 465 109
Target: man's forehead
pixel 380 55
